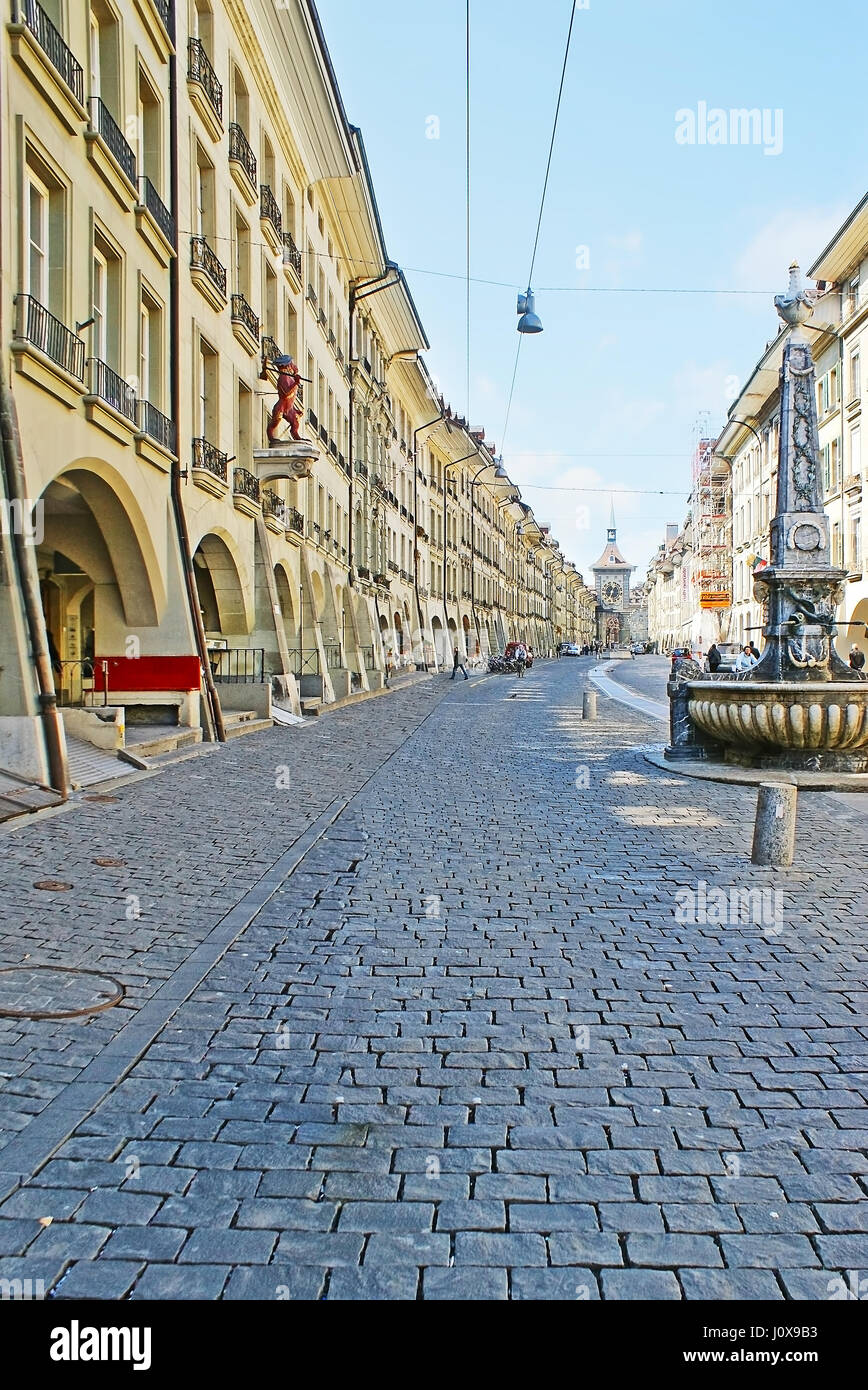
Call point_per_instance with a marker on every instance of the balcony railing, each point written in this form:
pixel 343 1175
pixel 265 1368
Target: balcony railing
pixel 304 663
pixel 361 468
pixel 294 521
pixel 157 208
pixel 199 70
pixel 269 210
pixel 274 505
pixel 51 42
pixel 158 426
pixel 245 484
pixel 203 258
pixel 37 326
pixel 240 151
pixel 243 314
pixel 102 121
pixel 333 655
pixel 291 253
pixel 208 457
pixel 111 388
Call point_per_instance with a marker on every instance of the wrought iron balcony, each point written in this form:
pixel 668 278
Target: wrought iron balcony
pixel 241 152
pixel 102 121
pixel 392 567
pixel 157 208
pixel 203 258
pixel 269 210
pixel 208 457
pixel 111 388
pixel 294 521
pixel 361 468
pixel 245 484
pixel 291 253
pixel 274 505
pixel 158 426
pixel 40 328
pixel 50 40
pixel 243 314
pixel 199 70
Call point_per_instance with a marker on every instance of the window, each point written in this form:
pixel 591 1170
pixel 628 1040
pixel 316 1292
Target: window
pixel 269 300
pixel 206 423
pixel 240 101
pixel 855 558
pixel 202 25
pixel 36 238
pixel 290 335
pixel 266 163
pixel 837 545
pixel 203 191
pixel 288 211
pixel 244 425
pixel 151 378
pixel 104 56
pixel 149 133
pixel 855 377
pixel 43 231
pixel 241 256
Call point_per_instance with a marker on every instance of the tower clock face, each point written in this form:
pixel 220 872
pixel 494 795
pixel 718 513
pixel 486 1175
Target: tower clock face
pixel 612 591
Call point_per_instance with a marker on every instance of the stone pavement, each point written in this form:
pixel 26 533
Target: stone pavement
pixel 437 999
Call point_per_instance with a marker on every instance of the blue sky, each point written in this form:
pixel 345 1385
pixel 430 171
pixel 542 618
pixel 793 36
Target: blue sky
pixel 608 397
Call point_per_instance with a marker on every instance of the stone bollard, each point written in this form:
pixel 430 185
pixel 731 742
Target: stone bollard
pixel 589 704
pixel 774 831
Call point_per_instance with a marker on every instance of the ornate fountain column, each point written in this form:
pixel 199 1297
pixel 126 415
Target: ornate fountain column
pixel 801 586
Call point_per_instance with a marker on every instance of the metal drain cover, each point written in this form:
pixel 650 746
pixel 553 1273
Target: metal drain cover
pixel 55 991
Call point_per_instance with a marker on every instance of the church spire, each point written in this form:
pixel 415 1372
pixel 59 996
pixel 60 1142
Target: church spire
pixel 611 535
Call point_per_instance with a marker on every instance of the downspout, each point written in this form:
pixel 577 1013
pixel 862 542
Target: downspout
pixel 214 715
pixel 28 578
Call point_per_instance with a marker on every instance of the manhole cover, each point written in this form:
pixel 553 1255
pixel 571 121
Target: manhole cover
pixel 106 863
pixel 103 800
pixel 55 991
pixel 52 885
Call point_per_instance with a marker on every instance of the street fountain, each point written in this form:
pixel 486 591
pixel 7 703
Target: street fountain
pixel 801 707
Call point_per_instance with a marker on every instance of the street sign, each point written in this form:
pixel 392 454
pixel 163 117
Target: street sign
pixel 714 598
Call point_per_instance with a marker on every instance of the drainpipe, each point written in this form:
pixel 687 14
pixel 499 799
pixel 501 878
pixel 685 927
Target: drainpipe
pixel 213 713
pixel 28 578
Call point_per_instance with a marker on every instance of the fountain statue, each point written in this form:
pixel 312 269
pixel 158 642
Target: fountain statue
pixel 801 706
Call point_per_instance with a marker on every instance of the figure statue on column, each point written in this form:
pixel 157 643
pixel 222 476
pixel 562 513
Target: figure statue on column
pixel 286 407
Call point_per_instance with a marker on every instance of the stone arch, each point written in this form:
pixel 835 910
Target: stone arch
pixel 91 515
pixel 284 597
pixel 226 598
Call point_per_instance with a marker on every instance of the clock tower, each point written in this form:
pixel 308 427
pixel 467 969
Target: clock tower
pixel 612 583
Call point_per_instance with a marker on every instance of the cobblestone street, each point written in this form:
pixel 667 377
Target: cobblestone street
pixel 411 1013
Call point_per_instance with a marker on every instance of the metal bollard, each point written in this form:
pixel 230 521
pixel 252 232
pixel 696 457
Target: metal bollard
pixel 774 831
pixel 589 704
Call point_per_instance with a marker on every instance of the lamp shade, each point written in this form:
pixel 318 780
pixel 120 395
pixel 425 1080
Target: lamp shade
pixel 529 321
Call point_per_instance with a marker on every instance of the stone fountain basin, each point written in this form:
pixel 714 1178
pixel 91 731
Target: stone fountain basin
pixel 784 715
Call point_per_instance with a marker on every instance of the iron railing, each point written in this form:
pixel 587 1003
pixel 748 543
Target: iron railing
pixel 240 150
pixel 245 483
pixel 37 326
pixel 368 658
pixel 199 70
pixel 51 42
pixel 157 208
pixel 203 258
pixel 294 521
pixel 158 426
pixel 304 663
pixel 273 505
pixel 361 468
pixel 243 314
pixel 111 388
pixel 208 457
pixel 269 210
pixel 75 682
pixel 237 665
pixel 104 123
pixel 291 253
pixel 333 655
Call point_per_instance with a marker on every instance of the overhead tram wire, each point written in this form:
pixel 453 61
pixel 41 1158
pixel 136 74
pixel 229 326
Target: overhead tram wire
pixel 541 210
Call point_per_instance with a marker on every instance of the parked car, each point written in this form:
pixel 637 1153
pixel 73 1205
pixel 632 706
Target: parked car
pixel 512 648
pixel 570 649
pixel 678 652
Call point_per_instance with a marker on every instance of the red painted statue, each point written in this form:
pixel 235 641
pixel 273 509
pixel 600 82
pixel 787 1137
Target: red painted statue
pixel 285 407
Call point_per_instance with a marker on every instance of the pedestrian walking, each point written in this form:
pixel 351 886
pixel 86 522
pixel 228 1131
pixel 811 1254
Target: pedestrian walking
pixel 857 658
pixel 458 664
pixel 390 665
pixel 714 658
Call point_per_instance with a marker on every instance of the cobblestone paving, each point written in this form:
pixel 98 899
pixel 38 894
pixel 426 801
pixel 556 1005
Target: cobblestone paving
pixel 470 1047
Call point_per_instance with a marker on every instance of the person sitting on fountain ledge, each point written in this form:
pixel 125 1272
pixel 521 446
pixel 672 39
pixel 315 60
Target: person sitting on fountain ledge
pixel 745 659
